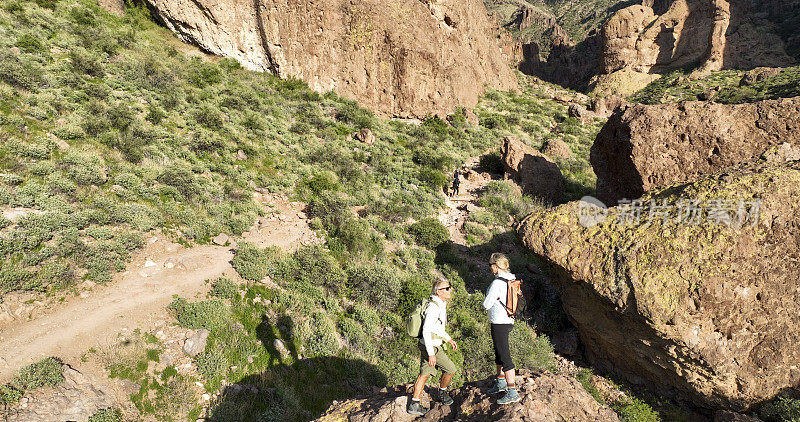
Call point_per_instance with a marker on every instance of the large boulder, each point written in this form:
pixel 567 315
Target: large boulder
pixel 702 300
pixel 532 170
pixel 545 397
pixel 646 146
pixel 405 59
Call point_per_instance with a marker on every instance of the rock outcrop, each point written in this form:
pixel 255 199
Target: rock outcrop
pixel 533 171
pixel 545 397
pixel 701 300
pixel 77 398
pixel 645 146
pixel 400 58
pixel 711 34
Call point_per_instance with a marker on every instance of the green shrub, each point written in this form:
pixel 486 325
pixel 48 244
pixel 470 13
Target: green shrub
pixel 378 284
pixel 530 350
pixel 212 364
pixel 250 261
pixel 331 208
pixel 181 179
pixel 357 239
pixel 224 288
pixel 46 372
pixel 584 376
pixel 29 43
pixel 318 335
pixel 434 178
pixel 635 410
pixel 429 232
pixel 19 72
pixel 9 395
pixel 106 415
pixel 211 314
pixel 202 74
pixel 316 266
pixel 85 168
pixel 782 409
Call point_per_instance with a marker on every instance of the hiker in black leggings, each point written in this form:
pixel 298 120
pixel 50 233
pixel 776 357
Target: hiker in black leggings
pixel 501 326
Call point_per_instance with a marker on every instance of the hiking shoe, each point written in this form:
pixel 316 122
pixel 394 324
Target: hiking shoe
pixel 499 386
pixel 442 397
pixel 511 396
pixel 415 408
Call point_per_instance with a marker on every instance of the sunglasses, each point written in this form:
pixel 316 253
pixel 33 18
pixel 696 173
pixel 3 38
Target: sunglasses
pixel 446 288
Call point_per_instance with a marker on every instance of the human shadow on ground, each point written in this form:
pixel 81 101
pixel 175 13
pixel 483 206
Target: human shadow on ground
pixel 294 387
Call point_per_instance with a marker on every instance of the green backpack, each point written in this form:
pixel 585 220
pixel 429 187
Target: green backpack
pixel 417 317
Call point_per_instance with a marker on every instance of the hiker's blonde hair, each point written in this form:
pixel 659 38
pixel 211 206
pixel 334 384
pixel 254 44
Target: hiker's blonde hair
pixel 499 259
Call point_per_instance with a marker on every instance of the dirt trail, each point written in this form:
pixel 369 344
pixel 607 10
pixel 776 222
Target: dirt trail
pixel 458 207
pixel 137 297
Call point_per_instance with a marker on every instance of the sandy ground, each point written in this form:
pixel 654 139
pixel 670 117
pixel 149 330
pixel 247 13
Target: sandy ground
pixel 137 297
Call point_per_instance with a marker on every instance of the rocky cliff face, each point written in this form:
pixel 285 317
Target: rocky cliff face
pixel 711 34
pixel 644 147
pixel 402 58
pixel 545 397
pixel 696 306
pixel 640 42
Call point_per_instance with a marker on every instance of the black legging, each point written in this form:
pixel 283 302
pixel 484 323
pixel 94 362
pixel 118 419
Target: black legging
pixel 502 351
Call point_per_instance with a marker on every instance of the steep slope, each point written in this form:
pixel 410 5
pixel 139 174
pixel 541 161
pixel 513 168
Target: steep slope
pixel 400 58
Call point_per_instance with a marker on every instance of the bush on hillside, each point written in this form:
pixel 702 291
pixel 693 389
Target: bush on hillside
pixel 250 261
pixel 211 314
pixel 44 373
pixel 782 409
pixel 224 288
pixel 429 232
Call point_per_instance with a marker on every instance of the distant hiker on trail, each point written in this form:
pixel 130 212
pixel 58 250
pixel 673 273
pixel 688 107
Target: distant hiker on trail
pixel 501 324
pixel 456 183
pixel 431 348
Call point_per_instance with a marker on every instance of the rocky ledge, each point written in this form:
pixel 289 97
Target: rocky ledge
pixel 545 397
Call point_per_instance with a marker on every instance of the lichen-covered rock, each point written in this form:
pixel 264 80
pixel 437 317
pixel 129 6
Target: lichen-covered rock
pixel 534 172
pixel 545 397
pixel 647 146
pixel 401 58
pixel 710 310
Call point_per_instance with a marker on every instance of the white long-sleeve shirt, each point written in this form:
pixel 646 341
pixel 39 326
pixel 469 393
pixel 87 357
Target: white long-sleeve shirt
pixel 433 328
pixel 495 301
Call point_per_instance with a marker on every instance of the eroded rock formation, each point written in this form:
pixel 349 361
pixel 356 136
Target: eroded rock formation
pixel 536 174
pixel 711 34
pixel 545 397
pixel 401 58
pixel 707 310
pixel 646 146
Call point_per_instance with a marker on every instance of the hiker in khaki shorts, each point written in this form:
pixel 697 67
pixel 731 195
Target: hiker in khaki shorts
pixel 431 347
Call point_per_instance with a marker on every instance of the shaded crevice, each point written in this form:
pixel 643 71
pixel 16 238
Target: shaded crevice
pixel 272 65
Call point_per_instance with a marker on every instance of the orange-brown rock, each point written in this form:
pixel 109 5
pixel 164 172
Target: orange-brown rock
pixel 709 311
pixel 646 146
pixel 533 171
pixel 400 58
pixel 545 397
pixel 711 34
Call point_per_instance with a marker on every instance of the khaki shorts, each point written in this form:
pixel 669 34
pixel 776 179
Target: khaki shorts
pixel 443 361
